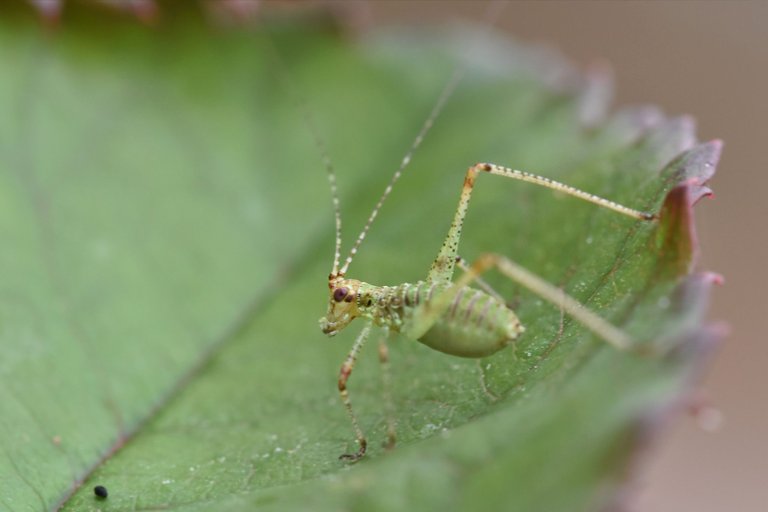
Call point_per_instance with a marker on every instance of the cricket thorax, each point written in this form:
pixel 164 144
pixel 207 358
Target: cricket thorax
pixel 387 306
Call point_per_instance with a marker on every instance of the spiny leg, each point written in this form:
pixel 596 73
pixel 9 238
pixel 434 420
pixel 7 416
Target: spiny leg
pixel 386 386
pixel 567 189
pixel 545 290
pixel 344 373
pixel 445 262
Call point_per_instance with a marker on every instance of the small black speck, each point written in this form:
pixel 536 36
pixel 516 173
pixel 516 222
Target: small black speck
pixel 100 491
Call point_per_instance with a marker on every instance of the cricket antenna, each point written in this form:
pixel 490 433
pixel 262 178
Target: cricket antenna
pixel 491 15
pixel 306 113
pixel 331 181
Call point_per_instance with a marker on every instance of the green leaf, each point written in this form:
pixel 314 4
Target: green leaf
pixel 168 231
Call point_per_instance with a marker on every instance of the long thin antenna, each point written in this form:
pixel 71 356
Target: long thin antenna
pixel 491 14
pixel 303 107
pixel 331 181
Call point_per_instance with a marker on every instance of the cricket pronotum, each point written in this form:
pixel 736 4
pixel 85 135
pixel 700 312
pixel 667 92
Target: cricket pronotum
pixel 449 316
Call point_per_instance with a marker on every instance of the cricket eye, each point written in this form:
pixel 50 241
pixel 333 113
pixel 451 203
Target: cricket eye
pixel 339 294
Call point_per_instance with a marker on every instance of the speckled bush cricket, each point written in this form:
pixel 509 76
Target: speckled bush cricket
pixel 448 316
pixel 451 317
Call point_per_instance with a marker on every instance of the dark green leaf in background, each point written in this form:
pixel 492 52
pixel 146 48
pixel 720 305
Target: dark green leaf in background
pixel 167 233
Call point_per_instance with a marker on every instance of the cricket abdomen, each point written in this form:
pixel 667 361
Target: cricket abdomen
pixel 475 324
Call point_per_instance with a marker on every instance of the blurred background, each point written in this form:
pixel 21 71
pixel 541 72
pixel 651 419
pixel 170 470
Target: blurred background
pixel 709 60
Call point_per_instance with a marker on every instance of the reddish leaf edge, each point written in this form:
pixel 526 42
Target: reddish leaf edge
pixel 697 344
pixel 677 233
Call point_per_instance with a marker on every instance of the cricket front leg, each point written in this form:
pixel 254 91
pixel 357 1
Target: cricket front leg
pixel 344 373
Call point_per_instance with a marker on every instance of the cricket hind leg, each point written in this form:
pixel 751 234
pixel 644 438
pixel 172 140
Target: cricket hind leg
pixel 601 327
pixel 445 263
pixel 344 373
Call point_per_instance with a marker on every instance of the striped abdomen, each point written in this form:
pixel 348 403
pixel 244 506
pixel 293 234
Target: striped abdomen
pixel 475 324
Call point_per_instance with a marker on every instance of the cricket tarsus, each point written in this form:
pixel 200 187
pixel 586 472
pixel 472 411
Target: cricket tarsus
pixel 359 454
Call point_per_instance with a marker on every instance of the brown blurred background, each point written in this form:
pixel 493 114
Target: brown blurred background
pixel 710 60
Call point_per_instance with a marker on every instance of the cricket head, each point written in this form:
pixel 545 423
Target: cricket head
pixel 343 304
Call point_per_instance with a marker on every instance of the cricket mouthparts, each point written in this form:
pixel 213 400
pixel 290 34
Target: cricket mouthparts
pixel 327 327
